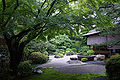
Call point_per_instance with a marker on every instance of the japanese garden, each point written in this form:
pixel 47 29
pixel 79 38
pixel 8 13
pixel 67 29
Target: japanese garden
pixel 59 39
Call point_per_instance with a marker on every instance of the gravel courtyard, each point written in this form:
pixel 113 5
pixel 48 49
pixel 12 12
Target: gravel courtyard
pixel 65 65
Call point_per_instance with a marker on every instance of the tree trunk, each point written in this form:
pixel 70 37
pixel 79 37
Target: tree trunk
pixel 16 54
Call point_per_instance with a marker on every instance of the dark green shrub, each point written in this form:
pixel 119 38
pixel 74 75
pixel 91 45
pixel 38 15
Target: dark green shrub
pixel 38 58
pixel 25 68
pixel 113 67
pixel 84 59
pixel 90 52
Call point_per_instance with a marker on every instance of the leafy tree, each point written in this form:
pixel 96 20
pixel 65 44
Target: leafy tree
pixel 62 42
pixel 24 20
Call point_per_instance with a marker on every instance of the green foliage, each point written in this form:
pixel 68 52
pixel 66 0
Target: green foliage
pixel 43 47
pixel 74 49
pixel 55 53
pixel 38 58
pixel 68 50
pixel 46 53
pixel 84 59
pixel 61 55
pixel 82 53
pixel 25 68
pixel 50 73
pixel 62 50
pixel 84 49
pixel 62 42
pixel 4 50
pixel 90 52
pixel 113 67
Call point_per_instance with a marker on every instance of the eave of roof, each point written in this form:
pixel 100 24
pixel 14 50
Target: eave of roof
pixel 91 33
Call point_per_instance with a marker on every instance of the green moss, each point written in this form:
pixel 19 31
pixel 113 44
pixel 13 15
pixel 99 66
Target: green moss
pixel 50 74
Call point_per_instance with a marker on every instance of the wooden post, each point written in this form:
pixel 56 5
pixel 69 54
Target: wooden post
pixel 93 48
pixel 89 47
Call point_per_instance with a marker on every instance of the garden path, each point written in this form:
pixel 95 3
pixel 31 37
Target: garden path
pixel 62 65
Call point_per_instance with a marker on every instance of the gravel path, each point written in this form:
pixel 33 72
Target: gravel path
pixel 62 65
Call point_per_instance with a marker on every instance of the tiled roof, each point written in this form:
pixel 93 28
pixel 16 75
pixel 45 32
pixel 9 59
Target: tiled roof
pixel 91 32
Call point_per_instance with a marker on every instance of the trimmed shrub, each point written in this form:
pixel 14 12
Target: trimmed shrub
pixel 46 53
pixel 90 52
pixel 25 68
pixel 55 53
pixel 84 59
pixel 61 55
pixel 38 58
pixel 113 67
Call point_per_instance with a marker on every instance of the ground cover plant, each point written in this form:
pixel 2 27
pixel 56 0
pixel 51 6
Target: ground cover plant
pixel 50 74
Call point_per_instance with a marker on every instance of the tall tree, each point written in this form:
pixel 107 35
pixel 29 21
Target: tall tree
pixel 24 20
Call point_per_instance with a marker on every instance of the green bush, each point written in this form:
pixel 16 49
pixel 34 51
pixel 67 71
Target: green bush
pixel 61 55
pixel 68 50
pixel 90 52
pixel 83 53
pixel 62 50
pixel 74 49
pixel 84 49
pixel 46 53
pixel 25 68
pixel 38 58
pixel 55 53
pixel 113 67
pixel 84 59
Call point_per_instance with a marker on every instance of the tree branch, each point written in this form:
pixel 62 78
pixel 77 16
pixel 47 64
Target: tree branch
pixel 25 32
pixel 17 4
pixel 107 6
pixel 52 4
pixel 4 5
pixel 33 37
pixel 41 8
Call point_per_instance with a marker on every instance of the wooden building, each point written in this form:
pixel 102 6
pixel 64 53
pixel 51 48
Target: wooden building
pixel 94 37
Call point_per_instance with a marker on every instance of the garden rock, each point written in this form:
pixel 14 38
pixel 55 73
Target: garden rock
pixel 56 56
pixel 73 58
pixel 70 53
pixel 89 57
pixel 38 71
pixel 100 57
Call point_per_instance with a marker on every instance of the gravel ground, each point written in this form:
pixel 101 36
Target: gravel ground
pixel 62 65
